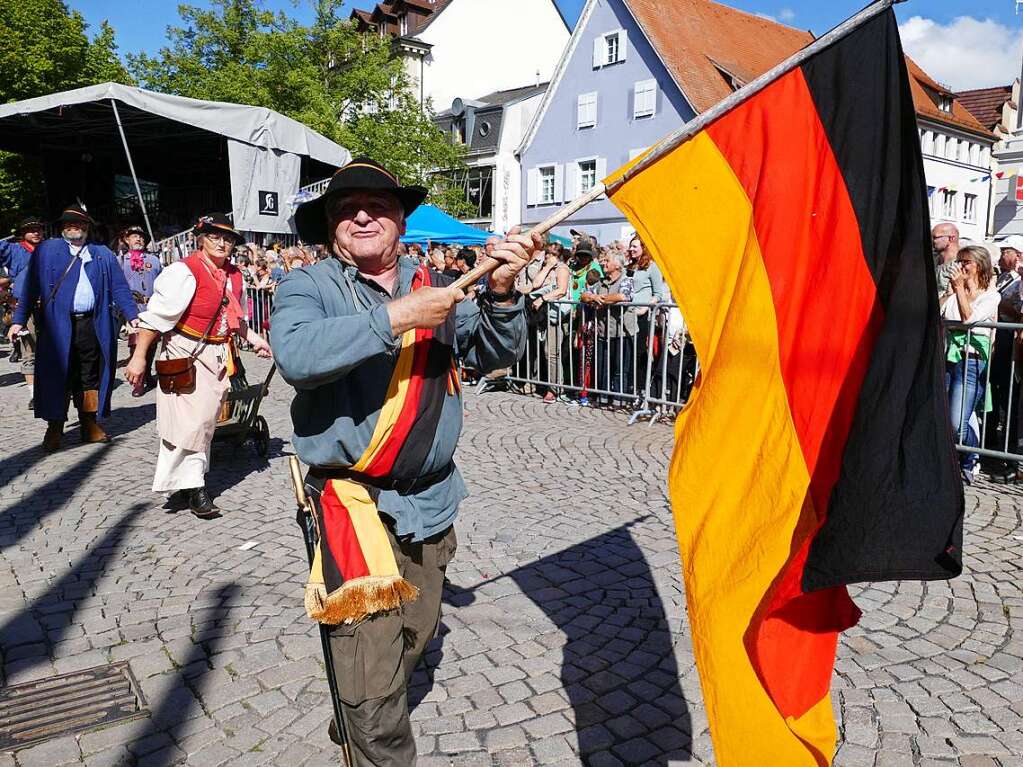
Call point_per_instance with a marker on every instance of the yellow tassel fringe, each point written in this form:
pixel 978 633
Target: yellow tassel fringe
pixel 358 599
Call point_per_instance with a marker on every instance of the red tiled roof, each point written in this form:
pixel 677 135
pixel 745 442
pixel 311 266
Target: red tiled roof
pixel 986 103
pixel 925 90
pixel 697 39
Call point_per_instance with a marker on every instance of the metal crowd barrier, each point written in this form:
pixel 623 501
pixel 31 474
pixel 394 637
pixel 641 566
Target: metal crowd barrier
pixel 993 420
pixel 629 355
pixel 259 303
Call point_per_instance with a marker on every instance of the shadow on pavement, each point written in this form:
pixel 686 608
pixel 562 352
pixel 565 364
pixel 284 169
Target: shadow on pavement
pixel 618 669
pixel 28 637
pixel 23 515
pixel 177 707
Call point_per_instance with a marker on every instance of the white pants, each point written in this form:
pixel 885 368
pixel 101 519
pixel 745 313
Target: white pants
pixel 179 469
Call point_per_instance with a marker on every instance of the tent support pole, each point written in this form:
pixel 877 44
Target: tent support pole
pixel 131 167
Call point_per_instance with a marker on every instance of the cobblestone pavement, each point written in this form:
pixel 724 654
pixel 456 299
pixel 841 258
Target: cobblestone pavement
pixel 564 639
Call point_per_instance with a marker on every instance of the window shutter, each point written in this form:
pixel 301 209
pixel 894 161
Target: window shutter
pixel 601 169
pixel 623 45
pixel 532 186
pixel 559 183
pixel 586 110
pixel 598 52
pixel 572 180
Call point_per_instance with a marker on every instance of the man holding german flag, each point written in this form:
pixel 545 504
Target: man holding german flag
pixel 368 340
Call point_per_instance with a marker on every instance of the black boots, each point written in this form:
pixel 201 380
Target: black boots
pixel 54 431
pixel 201 504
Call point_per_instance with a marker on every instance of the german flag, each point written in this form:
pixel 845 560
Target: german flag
pixel 816 450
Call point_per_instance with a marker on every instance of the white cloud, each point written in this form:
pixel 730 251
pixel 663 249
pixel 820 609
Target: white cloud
pixel 787 15
pixel 965 53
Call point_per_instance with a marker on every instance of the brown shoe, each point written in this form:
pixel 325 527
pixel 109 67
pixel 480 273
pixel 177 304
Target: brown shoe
pixel 54 431
pixel 90 430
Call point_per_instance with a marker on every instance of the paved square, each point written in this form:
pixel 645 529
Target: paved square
pixel 564 637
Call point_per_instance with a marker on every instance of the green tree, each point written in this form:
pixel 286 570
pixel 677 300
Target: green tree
pixel 45 48
pixel 339 82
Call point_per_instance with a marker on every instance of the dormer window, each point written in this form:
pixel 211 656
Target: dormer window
pixel 945 103
pixel 403 24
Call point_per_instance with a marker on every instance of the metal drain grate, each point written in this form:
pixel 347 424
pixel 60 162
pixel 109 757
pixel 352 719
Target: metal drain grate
pixel 48 708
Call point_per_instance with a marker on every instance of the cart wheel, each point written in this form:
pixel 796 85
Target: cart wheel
pixel 261 436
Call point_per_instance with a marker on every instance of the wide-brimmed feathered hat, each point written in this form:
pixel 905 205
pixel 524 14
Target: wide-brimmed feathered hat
pixel 75 214
pixel 217 223
pixel 27 224
pixel 360 175
pixel 135 229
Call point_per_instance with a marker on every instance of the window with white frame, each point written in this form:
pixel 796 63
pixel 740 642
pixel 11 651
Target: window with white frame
pixel 939 144
pixel 951 148
pixel 969 207
pixel 644 98
pixel 948 204
pixel 403 24
pixel 586 116
pixel 547 185
pixel 927 142
pixel 587 175
pixel 610 48
pixel 964 151
pixel 945 103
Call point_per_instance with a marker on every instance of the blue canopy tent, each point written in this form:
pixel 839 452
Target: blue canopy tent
pixel 430 224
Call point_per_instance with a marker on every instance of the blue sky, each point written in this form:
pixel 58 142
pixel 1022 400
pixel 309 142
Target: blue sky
pixel 967 45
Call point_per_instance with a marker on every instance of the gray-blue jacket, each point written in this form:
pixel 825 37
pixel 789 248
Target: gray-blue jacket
pixel 332 340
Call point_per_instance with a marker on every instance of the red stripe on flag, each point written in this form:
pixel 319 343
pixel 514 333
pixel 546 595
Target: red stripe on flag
pixel 340 536
pixel 384 460
pixel 828 319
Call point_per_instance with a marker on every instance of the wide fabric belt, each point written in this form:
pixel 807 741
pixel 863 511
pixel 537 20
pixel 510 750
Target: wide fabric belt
pixel 211 339
pixel 403 486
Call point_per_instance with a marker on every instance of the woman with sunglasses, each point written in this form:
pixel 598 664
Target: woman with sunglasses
pixel 971 298
pixel 196 313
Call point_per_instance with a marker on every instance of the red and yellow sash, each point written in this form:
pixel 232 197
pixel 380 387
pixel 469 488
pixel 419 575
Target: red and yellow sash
pixel 354 572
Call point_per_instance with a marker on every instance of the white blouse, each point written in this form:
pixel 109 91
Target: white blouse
pixel 172 293
pixel 983 308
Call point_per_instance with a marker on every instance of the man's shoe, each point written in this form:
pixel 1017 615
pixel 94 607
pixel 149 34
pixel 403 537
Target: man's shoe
pixel 201 504
pixel 51 440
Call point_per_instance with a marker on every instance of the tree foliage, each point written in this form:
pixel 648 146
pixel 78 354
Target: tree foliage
pixel 45 48
pixel 340 83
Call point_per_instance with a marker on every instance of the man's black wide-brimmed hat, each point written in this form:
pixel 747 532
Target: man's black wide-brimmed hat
pixel 75 214
pixel 217 223
pixel 28 224
pixel 360 175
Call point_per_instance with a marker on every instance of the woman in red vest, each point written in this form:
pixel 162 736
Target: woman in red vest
pixel 195 310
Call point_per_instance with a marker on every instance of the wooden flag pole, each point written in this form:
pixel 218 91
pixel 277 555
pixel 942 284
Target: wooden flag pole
pixel 685 132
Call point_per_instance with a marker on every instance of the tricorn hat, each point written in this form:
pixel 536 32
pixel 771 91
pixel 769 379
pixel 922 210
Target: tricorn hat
pixel 360 175
pixel 134 229
pixel 27 224
pixel 75 214
pixel 217 223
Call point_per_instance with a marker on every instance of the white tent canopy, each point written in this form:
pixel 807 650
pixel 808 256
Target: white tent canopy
pixel 265 148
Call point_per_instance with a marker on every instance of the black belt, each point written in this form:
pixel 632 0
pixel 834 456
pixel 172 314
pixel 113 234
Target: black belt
pixel 402 486
pixel 81 315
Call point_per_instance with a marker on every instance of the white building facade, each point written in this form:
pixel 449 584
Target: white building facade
pixel 957 166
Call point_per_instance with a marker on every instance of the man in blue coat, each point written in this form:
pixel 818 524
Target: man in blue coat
pixel 72 286
pixel 14 258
